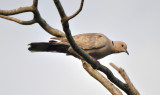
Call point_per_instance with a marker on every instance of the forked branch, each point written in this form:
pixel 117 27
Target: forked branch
pixel 69 37
pixel 75 14
pixel 125 77
pixel 19 21
pixel 85 56
pixel 99 77
pixel 37 18
pixel 89 65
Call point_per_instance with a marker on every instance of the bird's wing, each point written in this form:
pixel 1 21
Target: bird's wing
pixel 88 41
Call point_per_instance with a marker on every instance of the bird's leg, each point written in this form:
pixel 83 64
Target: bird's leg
pixel 94 58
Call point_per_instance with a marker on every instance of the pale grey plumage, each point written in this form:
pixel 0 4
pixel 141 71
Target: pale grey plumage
pixel 95 44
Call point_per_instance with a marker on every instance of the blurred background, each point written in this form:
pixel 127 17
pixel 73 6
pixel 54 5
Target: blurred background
pixel 135 22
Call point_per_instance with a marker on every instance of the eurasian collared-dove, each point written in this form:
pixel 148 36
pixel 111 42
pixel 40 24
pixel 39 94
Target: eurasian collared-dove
pixel 95 44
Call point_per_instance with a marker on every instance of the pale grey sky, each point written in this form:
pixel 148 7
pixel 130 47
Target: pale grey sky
pixel 136 22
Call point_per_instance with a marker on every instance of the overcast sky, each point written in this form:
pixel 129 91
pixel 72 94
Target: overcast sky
pixel 136 22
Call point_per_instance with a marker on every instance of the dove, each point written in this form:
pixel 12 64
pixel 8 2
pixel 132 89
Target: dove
pixel 96 45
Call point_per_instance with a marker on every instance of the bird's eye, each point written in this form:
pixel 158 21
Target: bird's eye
pixel 112 43
pixel 122 45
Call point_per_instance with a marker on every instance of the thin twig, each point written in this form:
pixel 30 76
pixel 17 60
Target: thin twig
pixel 19 21
pixel 35 3
pixel 16 11
pixel 125 77
pixel 75 14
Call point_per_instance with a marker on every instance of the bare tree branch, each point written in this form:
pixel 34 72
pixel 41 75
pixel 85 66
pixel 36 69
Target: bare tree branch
pixel 125 77
pixel 115 80
pixel 46 26
pixel 85 56
pixel 128 88
pixel 37 18
pixel 16 11
pixel 75 14
pixel 35 3
pixel 67 31
pixel 99 77
pixel 18 21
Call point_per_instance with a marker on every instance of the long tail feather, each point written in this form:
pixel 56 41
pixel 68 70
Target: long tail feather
pixel 48 47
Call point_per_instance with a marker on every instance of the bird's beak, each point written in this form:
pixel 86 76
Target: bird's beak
pixel 127 52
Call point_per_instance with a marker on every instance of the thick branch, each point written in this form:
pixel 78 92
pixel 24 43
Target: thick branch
pixel 67 31
pixel 85 56
pixel 99 77
pixel 125 77
pixel 38 19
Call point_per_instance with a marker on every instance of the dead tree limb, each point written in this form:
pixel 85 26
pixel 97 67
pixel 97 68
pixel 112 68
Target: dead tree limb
pixel 99 77
pixel 90 65
pixel 37 18
pixel 125 77
pixel 69 37
pixel 19 21
pixel 85 56
pixel 75 14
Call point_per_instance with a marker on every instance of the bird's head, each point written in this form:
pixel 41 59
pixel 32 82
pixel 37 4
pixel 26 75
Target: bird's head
pixel 119 46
